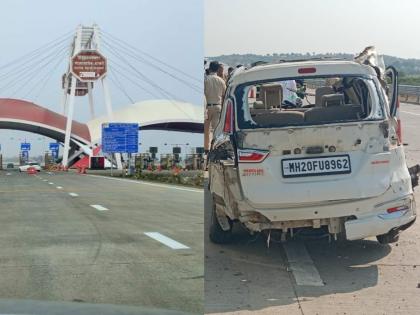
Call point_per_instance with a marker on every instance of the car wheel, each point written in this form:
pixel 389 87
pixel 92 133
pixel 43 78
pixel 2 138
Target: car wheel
pixel 388 238
pixel 217 234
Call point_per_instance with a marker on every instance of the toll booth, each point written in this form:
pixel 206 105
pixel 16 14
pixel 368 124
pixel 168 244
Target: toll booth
pixel 49 160
pixel 97 163
pixel 166 161
pixel 194 161
pixel 143 161
pixel 176 156
pixel 153 151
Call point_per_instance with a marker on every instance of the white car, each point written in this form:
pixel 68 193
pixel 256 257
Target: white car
pixel 24 168
pixel 334 161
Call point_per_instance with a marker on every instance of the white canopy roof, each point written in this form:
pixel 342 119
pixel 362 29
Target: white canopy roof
pixel 152 112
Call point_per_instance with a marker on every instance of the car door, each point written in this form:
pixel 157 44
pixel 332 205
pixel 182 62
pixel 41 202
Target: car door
pixel 221 155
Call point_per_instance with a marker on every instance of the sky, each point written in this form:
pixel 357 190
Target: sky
pixel 171 31
pixel 279 26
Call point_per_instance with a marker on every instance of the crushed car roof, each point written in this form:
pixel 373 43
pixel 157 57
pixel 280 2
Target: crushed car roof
pixel 291 69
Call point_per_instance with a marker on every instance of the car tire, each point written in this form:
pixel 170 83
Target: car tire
pixel 388 238
pixel 216 233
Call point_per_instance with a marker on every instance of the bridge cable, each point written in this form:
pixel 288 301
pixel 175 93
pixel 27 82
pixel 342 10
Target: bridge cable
pixel 171 97
pixel 115 69
pixel 193 86
pixel 60 39
pixel 117 83
pixel 46 78
pixel 141 75
pixel 33 58
pixel 17 75
pixel 112 37
pixel 36 71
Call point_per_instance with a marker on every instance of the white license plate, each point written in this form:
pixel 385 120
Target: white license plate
pixel 316 166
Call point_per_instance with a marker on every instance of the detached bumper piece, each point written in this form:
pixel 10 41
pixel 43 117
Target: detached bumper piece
pixel 414 174
pixel 389 221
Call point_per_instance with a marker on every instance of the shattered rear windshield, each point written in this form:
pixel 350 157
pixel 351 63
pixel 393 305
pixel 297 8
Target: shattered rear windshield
pixel 308 101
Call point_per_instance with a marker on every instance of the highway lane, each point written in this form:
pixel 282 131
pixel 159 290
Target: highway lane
pixel 361 277
pixel 56 245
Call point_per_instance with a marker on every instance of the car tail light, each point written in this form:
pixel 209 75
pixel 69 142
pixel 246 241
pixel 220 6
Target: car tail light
pixel 252 156
pixel 399 208
pixel 306 70
pixel 228 127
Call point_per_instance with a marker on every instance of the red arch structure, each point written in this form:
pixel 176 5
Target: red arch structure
pixel 22 115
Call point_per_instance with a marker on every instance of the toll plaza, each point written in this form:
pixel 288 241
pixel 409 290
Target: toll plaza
pixel 83 190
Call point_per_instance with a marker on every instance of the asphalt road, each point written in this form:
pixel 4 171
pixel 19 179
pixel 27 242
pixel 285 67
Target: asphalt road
pixel 69 237
pixel 360 277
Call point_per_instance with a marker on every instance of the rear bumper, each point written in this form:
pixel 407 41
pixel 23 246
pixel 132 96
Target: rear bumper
pixel 360 219
pixel 380 223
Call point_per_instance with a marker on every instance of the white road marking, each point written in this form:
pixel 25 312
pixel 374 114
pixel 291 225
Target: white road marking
pixel 301 264
pixel 415 114
pixel 45 180
pixel 51 183
pixel 99 207
pixel 166 240
pixel 73 194
pixel 150 184
pixel 59 187
pixel 8 174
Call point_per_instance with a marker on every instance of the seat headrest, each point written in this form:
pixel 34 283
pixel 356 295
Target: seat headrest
pixel 329 100
pixel 258 105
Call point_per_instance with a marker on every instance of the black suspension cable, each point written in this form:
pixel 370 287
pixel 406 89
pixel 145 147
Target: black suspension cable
pixel 21 61
pixel 17 74
pixel 135 83
pixel 112 37
pixel 117 83
pixel 46 78
pixel 193 86
pixel 142 76
pixel 36 71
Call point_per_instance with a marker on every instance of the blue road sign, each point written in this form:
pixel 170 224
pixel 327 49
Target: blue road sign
pixel 53 146
pixel 25 155
pixel 120 138
pixel 54 154
pixel 24 146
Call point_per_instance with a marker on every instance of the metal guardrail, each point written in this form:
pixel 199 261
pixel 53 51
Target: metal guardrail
pixel 407 93
pixel 409 90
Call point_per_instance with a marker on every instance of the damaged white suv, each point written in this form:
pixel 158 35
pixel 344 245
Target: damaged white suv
pixel 333 161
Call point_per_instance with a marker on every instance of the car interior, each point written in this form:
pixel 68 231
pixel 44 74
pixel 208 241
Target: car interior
pixel 347 99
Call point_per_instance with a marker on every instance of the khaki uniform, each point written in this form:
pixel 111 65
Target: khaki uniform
pixel 214 90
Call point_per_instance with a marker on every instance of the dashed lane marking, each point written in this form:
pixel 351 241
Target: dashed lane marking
pixel 166 240
pixel 73 194
pixel 302 265
pixel 50 183
pixel 99 207
pixel 59 187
